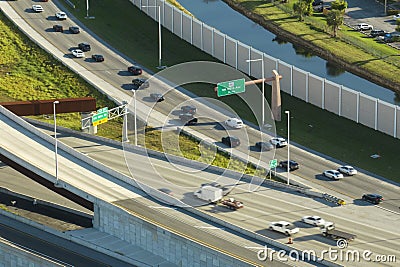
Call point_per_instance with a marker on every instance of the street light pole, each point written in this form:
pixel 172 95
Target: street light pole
pixel 159 36
pixel 263 88
pixel 134 116
pixel 288 145
pixel 55 144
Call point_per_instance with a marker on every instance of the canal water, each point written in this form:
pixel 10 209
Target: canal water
pixel 219 15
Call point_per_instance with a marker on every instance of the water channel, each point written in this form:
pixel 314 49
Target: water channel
pixel 219 15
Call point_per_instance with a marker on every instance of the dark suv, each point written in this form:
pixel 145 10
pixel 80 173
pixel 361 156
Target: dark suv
pixel 293 165
pixel 376 33
pixel 58 28
pixel 373 198
pixel 84 47
pixel 188 118
pixel 231 141
pixel 140 83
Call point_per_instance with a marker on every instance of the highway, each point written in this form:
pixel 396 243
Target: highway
pixel 376 229
pixel 113 71
pixel 311 166
pixel 52 246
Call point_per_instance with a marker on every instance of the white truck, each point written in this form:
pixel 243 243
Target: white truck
pixel 209 193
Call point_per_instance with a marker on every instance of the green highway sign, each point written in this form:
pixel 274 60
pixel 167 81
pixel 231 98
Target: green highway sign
pixel 230 87
pixel 273 163
pixel 100 117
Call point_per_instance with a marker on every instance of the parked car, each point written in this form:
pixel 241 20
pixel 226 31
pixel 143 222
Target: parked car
pixel 396 17
pixel 313 220
pixel 189 109
pixel 58 28
pixel 61 15
pixel 234 123
pixel 333 174
pixel 157 97
pixel 78 53
pixel 293 165
pixel 373 198
pixel 140 83
pixel 283 227
pixel 74 29
pixel 85 47
pixel 135 70
pixel 364 27
pixel 264 146
pixel 37 8
pixel 391 37
pixel 278 142
pixel 98 58
pixel 349 170
pixel 317 2
pixel 231 141
pixel 376 33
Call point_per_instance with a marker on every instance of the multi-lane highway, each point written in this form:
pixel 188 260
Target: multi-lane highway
pixel 113 71
pixel 376 229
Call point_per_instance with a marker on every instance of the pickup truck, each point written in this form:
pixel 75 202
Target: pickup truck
pixel 232 204
pixel 328 229
pixel 283 227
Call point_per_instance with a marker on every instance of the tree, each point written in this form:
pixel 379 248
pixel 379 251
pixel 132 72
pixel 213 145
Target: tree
pixel 301 9
pixel 340 5
pixel 334 19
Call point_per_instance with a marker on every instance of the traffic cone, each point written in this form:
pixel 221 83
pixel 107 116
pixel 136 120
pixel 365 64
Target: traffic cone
pixel 290 240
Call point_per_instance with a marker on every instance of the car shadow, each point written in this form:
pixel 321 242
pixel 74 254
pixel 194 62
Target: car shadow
pixel 360 202
pixel 52 18
pixel 149 99
pixel 322 177
pixel 254 149
pixel 124 73
pixel 69 55
pixel 128 86
pixel 49 30
pixel 30 10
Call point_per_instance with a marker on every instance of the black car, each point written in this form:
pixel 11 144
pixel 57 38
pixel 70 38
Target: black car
pixel 74 29
pixel 231 141
pixel 189 109
pixel 293 165
pixel 317 2
pixel 98 58
pixel 376 33
pixel 264 146
pixel 135 70
pixel 140 83
pixel 84 47
pixel 373 198
pixel 188 118
pixel 58 28
pixel 157 97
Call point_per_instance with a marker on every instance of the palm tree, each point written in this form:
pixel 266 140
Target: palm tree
pixel 334 19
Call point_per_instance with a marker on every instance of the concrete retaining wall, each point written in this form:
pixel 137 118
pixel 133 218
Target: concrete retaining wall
pixel 12 255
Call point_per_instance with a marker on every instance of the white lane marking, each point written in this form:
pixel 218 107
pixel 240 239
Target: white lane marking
pixel 210 227
pixel 162 207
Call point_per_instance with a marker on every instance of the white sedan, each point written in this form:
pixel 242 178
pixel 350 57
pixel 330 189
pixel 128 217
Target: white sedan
pixel 78 53
pixel 348 170
pixel 37 8
pixel 333 174
pixel 278 141
pixel 234 123
pixel 61 15
pixel 313 220
pixel 283 227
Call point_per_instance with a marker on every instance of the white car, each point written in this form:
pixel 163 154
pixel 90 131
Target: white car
pixel 61 15
pixel 313 220
pixel 278 141
pixel 37 8
pixel 333 174
pixel 283 227
pixel 396 17
pixel 234 123
pixel 349 170
pixel 364 27
pixel 78 53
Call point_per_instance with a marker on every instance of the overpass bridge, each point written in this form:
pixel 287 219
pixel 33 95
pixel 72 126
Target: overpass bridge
pixel 114 198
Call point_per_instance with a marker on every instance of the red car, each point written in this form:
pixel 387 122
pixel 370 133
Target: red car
pixel 135 70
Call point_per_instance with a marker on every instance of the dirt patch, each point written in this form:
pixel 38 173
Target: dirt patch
pixel 285 35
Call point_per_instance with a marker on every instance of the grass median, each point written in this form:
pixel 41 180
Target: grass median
pixel 134 34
